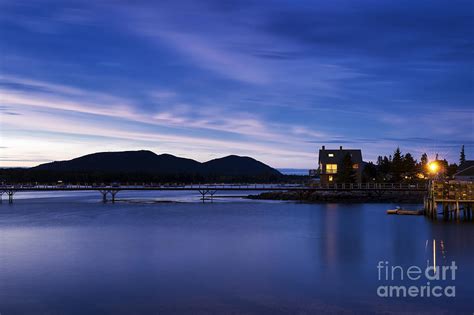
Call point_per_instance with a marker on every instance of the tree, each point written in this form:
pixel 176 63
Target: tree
pixel 397 165
pixel 462 157
pixel 443 167
pixel 423 166
pixel 383 165
pixel 347 173
pixel 369 174
pixel 409 165
pixel 424 160
pixel 379 160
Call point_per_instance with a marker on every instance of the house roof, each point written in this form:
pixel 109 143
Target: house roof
pixel 466 164
pixel 469 171
pixel 339 154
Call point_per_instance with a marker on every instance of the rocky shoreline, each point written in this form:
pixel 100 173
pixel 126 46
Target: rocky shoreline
pixel 343 196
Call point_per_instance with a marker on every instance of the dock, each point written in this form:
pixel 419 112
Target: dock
pixel 207 191
pixel 455 199
pixel 406 212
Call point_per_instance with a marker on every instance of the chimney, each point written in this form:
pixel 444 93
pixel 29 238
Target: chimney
pixel 324 148
pixel 340 148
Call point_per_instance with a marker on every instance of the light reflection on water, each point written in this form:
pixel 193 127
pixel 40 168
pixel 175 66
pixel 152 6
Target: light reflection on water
pixel 73 254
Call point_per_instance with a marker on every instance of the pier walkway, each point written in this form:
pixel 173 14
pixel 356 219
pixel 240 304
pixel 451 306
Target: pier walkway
pixel 207 191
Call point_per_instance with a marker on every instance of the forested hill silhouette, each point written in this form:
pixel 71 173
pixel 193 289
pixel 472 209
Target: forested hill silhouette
pixel 125 162
pixel 234 165
pixel 146 166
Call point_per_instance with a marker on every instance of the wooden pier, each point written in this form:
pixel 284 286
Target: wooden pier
pixel 207 191
pixel 456 199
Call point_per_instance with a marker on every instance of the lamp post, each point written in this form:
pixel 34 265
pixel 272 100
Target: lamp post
pixel 433 168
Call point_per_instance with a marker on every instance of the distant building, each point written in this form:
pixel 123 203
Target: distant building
pixel 465 171
pixel 330 162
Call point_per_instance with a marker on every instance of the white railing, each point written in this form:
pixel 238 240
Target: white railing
pixel 241 186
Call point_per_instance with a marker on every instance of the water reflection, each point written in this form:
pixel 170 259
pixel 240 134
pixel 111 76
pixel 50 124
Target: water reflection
pixel 77 256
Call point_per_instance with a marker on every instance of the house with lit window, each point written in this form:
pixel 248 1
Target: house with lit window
pixel 330 161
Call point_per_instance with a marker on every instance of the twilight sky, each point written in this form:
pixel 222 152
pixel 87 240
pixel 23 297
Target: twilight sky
pixel 274 80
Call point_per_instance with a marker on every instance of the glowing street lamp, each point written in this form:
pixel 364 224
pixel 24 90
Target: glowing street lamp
pixel 433 167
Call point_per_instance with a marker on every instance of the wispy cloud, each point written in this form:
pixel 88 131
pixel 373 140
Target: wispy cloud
pixel 54 111
pixel 64 98
pixel 269 80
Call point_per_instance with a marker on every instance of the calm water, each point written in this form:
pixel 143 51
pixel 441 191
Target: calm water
pixel 71 254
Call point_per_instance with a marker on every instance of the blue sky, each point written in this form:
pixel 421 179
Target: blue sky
pixel 274 80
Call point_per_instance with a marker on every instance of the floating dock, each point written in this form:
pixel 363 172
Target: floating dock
pixel 406 212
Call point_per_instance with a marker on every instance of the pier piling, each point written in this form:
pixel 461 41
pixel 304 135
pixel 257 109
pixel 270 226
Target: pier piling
pixel 113 193
pixel 453 196
pixel 10 193
pixel 104 195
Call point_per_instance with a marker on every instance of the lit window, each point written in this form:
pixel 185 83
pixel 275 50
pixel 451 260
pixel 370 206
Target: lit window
pixel 355 166
pixel 331 168
pixel 330 154
pixel 331 178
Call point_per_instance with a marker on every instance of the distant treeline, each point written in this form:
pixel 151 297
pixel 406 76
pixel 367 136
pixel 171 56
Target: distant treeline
pixel 405 168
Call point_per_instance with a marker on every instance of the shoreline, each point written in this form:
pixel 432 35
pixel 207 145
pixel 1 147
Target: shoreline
pixel 342 196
